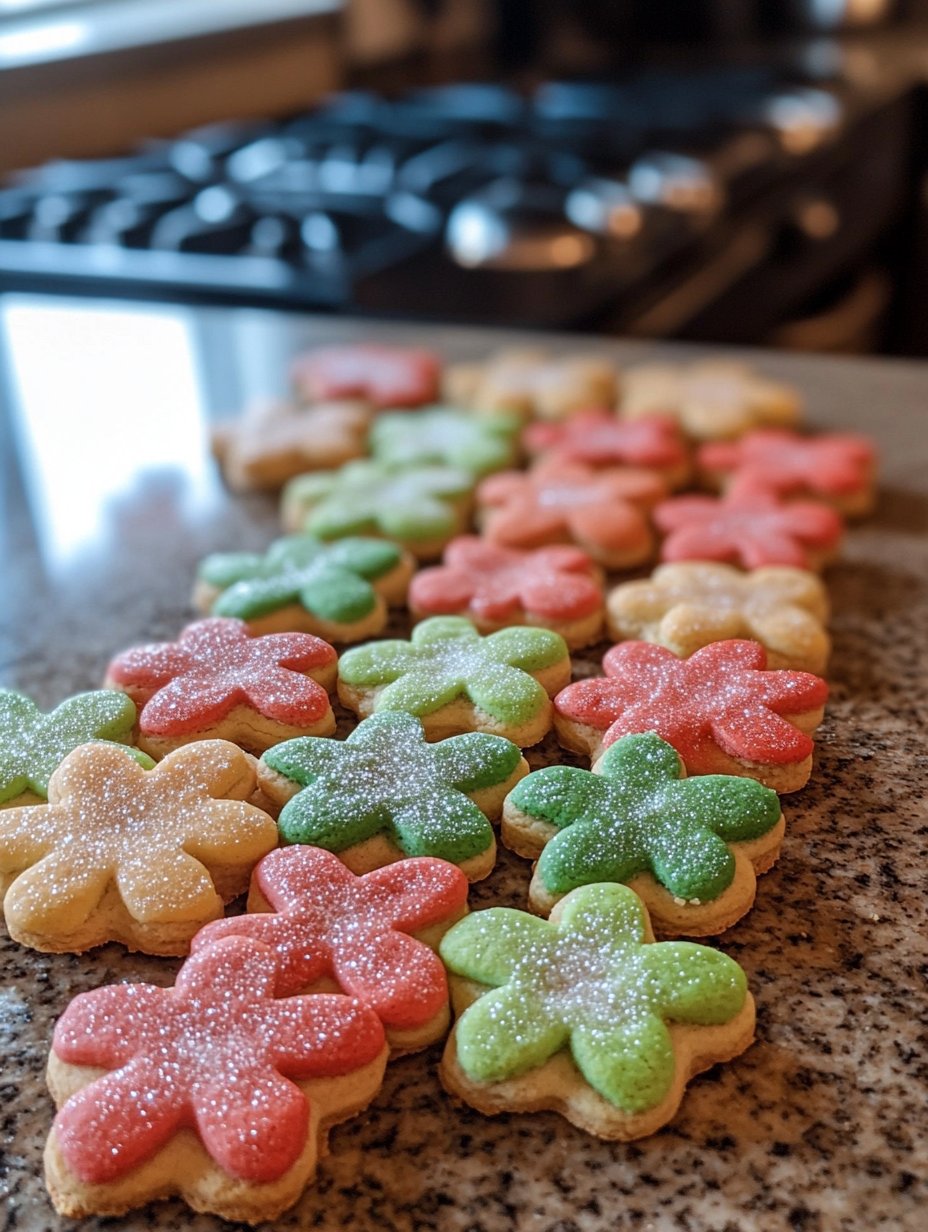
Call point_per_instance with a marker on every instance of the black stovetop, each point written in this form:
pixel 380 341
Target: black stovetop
pixel 468 202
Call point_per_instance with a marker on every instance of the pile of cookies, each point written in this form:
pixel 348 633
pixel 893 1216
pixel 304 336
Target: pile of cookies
pixel 206 768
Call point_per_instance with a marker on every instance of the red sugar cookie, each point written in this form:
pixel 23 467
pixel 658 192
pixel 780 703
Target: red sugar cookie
pixel 597 438
pixel 370 935
pixel 214 1089
pixel 557 588
pixel 601 511
pixel 218 680
pixel 748 528
pixel 721 709
pixel 384 376
pixel 836 467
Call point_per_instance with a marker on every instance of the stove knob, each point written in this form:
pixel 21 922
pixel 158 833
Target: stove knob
pixel 810 221
pixel 802 120
pixel 606 207
pixel 676 182
pixel 816 218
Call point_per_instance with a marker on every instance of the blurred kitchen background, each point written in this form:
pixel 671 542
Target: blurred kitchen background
pixel 738 171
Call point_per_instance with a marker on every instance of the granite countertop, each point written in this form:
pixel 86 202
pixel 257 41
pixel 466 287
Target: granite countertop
pixel 819 1127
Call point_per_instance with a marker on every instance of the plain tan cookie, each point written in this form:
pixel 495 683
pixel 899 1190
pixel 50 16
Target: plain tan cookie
pixel 688 605
pixel 272 442
pixel 712 400
pixel 532 384
pixel 119 853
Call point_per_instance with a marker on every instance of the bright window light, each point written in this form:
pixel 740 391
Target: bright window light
pixel 106 400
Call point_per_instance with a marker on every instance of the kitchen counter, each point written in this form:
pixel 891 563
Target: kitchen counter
pixel 819 1127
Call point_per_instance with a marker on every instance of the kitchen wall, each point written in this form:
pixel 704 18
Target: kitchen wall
pixel 98 104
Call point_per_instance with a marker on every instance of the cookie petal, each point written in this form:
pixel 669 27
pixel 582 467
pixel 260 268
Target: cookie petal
pixel 113 1124
pixel 256 1139
pixel 380 969
pixel 450 827
pixel 694 983
pixel 631 1064
pixel 475 760
pixel 488 945
pixel 737 809
pixel 506 1033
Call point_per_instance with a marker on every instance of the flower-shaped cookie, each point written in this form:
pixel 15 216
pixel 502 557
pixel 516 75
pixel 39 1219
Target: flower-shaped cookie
pixel 125 854
pixel 751 528
pixel 324 923
pixel 442 435
pixel 384 793
pixel 557 588
pixel 598 438
pixel 219 680
pixel 532 384
pixel 271 442
pixel 382 376
pixel 712 400
pixel 586 1015
pixel 688 605
pixel 338 591
pixel 455 680
pixel 601 511
pixel 690 848
pixel 836 467
pixel 214 1089
pixel 33 744
pixel 421 509
pixel 721 709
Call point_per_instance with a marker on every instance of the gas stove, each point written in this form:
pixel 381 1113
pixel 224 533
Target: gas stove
pixel 564 206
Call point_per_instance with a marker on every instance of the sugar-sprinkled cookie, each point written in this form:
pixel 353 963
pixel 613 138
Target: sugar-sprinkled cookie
pixel 686 606
pixel 270 442
pixel 749 527
pixel 585 1014
pixel 532 384
pixel 602 512
pixel 34 744
pixel 220 681
pixel 597 438
pixel 444 436
pixel 455 681
pixel 712 400
pixel 215 1089
pixel 373 936
pixel 690 848
pixel 384 793
pixel 338 591
pixel 835 467
pixel 120 853
pixel 721 709
pixel 382 376
pixel 557 588
pixel 420 508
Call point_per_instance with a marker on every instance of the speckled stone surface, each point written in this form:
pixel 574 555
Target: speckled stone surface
pixel 820 1127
